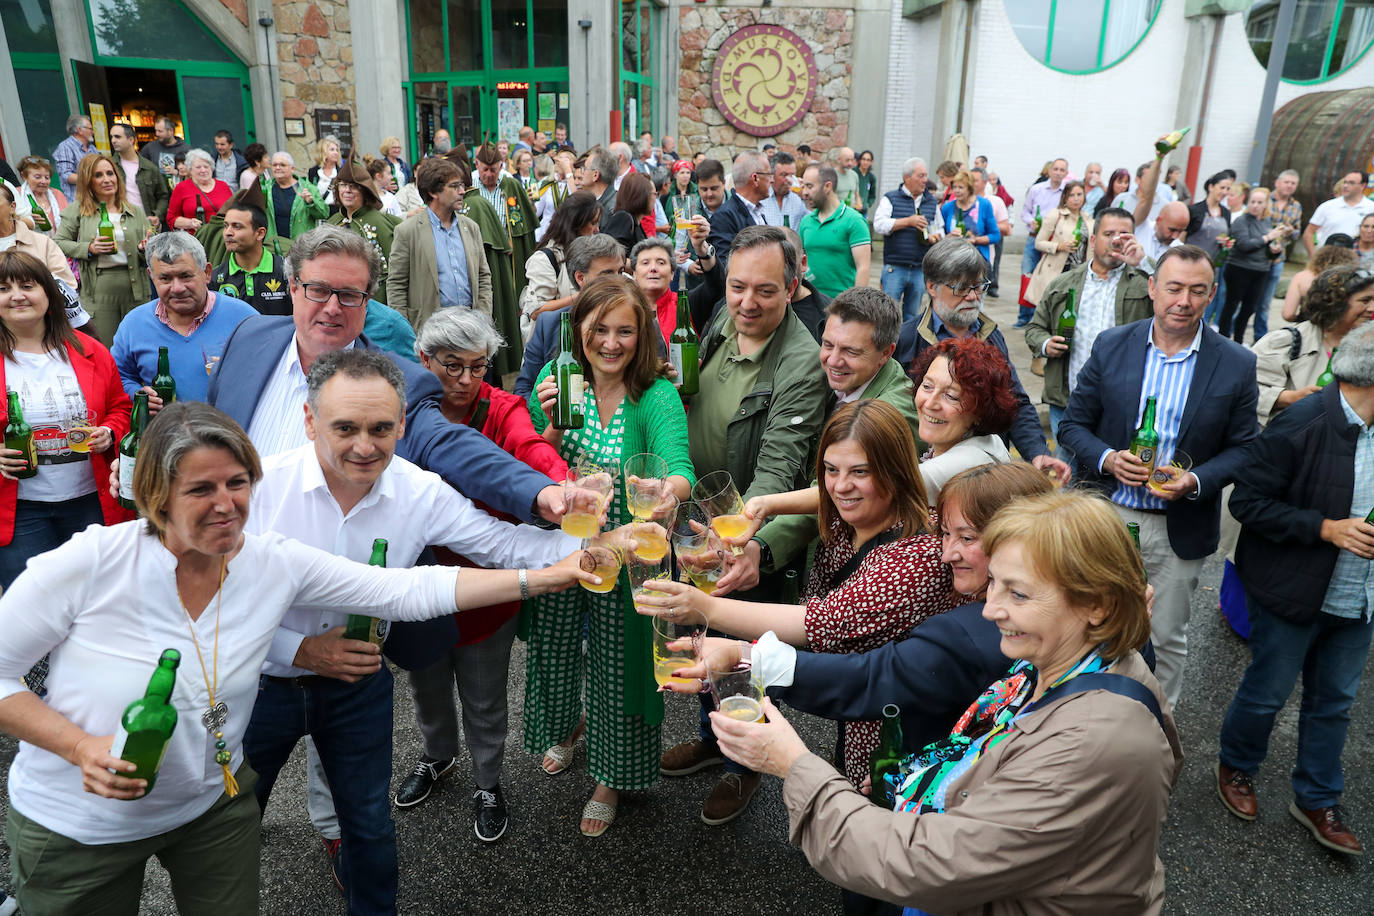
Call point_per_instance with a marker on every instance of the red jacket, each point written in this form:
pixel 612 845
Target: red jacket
pixel 99 381
pixel 504 418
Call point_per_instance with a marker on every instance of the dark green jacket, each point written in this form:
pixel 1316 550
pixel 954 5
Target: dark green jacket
pixel 770 444
pixel 788 535
pixel 1132 304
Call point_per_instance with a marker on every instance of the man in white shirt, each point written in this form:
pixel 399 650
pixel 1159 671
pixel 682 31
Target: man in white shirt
pixel 1340 214
pixel 338 493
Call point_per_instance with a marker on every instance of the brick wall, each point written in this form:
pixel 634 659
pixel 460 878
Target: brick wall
pixel 315 51
pixel 238 7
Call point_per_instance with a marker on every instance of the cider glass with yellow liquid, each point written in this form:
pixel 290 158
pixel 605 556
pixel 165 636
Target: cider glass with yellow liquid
pixel 720 500
pixel 587 490
pixel 737 692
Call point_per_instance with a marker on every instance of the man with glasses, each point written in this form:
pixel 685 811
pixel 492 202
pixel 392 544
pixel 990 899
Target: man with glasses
pixel 80 142
pixel 1206 431
pixel 753 182
pixel 956 279
pixel 1339 214
pixel 437 259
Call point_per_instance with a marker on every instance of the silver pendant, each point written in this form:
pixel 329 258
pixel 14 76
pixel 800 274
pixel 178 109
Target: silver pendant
pixel 214 718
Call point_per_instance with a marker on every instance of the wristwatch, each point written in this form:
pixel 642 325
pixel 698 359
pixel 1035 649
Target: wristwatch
pixel 765 555
pixel 710 252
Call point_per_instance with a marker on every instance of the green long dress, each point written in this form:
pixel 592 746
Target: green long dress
pixel 623 706
pixel 505 301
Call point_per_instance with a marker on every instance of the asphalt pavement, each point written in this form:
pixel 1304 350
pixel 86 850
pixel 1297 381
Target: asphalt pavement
pixel 658 858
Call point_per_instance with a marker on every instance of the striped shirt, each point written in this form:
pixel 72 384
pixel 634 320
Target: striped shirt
pixel 1167 379
pixel 1096 313
pixel 278 423
pixel 1350 592
pixel 495 198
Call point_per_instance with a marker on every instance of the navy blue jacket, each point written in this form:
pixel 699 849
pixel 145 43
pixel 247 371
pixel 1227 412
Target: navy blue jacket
pixel 1219 421
pixel 466 459
pixel 726 223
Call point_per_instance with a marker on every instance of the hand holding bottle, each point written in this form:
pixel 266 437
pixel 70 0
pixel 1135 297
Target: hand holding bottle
pixel 333 655
pixel 1056 346
pixel 1126 468
pixel 12 461
pixel 102 245
pixel 100 770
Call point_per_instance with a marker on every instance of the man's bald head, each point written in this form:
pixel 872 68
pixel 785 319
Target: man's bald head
pixel 1172 221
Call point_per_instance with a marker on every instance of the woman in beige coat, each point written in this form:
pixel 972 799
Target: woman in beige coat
pixel 1061 244
pixel 113 278
pixel 31 242
pixel 1049 795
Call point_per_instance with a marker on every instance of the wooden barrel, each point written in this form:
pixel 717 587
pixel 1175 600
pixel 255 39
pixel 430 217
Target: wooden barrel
pixel 1323 135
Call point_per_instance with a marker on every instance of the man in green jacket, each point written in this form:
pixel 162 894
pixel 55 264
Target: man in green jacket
pixel 1107 292
pixel 154 194
pixel 758 415
pixel 860 336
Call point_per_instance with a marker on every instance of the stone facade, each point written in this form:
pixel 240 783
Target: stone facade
pixel 829 32
pixel 315 51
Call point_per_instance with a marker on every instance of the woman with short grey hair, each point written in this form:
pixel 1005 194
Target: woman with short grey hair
pixel 458 345
pixel 195 202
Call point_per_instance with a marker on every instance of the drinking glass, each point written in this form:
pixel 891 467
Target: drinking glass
pixel 587 490
pixel 699 551
pixel 686 207
pixel 737 692
pixel 646 483
pixel 668 657
pixel 1179 464
pixel 602 558
pixel 212 353
pixel 717 496
pixel 80 427
pixel 651 537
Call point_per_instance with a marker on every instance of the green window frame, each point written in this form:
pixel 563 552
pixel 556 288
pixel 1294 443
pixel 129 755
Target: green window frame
pixel 638 84
pixel 1052 17
pixel 1261 45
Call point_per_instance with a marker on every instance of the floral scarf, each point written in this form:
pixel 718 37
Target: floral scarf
pixel 924 778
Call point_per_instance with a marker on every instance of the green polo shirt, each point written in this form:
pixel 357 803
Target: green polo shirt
pixel 264 287
pixel 828 245
pixel 725 380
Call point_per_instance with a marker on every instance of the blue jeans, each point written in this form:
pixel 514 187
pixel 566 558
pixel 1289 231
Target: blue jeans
pixel 1329 652
pixel 1266 301
pixel 1213 312
pixel 351 725
pixel 905 284
pixel 1060 452
pixel 40 527
pixel 1029 258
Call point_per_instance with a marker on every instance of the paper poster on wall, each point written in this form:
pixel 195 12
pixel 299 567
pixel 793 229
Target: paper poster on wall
pixel 100 127
pixel 546 125
pixel 510 117
pixel 562 100
pixel 546 100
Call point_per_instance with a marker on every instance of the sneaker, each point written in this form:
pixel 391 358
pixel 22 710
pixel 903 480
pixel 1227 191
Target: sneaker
pixel 1021 323
pixel 689 757
pixel 488 814
pixel 416 787
pixel 331 851
pixel 729 798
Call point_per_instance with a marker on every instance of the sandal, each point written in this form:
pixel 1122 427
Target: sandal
pixel 594 810
pixel 562 754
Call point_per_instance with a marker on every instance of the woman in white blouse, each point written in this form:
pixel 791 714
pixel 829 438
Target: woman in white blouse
pixel 106 604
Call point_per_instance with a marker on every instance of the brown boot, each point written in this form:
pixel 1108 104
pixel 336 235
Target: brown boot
pixel 689 757
pixel 1237 791
pixel 729 798
pixel 1328 828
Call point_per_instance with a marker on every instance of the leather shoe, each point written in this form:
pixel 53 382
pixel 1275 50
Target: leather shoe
pixel 729 798
pixel 488 814
pixel 1328 828
pixel 1237 791
pixel 689 757
pixel 416 787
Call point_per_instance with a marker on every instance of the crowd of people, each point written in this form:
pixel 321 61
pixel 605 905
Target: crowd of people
pixel 723 418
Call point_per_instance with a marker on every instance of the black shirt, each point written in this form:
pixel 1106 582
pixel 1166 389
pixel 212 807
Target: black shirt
pixel 265 289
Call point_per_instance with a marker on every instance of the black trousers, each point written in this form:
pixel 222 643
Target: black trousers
pixel 1244 287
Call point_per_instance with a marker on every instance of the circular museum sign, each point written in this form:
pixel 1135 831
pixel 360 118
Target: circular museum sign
pixel 764 79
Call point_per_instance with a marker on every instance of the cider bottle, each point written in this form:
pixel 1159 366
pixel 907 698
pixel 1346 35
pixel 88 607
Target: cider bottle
pixel 887 756
pixel 683 346
pixel 1170 142
pixel 568 371
pixel 19 436
pixel 40 216
pixel 105 228
pixel 361 626
pixel 163 383
pixel 1327 377
pixel 128 450
pixel 1145 444
pixel 1134 529
pixel 146 727
pixel 1068 319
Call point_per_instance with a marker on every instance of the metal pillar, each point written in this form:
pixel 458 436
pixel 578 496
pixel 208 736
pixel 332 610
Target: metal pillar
pixel 1278 53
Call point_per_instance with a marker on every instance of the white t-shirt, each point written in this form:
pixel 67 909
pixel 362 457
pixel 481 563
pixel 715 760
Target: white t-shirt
pixel 1336 215
pixel 130 185
pixel 52 401
pixel 7 242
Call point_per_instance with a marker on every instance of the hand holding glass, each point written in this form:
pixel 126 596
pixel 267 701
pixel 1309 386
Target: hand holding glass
pixel 587 490
pixel 1181 463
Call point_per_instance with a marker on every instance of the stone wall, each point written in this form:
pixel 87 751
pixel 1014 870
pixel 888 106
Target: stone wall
pixel 238 7
pixel 829 32
pixel 315 51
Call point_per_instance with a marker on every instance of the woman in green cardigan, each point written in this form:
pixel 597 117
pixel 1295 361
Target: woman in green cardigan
pixel 360 209
pixel 630 408
pixel 113 278
pixel 300 204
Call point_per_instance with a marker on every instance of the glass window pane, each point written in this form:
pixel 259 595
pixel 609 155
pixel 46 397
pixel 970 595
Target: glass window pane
pixel 28 26
pixel 647 19
pixel 465 35
pixel 550 33
pixel 1354 34
pixel 1030 20
pixel 45 109
pixel 431 112
pixel 467 115
pixel 1312 22
pixel 551 94
pixel 629 39
pixel 1127 23
pixel 214 103
pixel 152 28
pixel 1077 34
pixel 426 36
pixel 509 34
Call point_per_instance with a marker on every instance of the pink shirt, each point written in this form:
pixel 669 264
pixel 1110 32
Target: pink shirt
pixel 130 185
pixel 160 311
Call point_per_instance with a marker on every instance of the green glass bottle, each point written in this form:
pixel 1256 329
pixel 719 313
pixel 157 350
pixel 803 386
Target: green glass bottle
pixel 19 436
pixel 1327 377
pixel 1145 443
pixel 146 727
pixel 1068 319
pixel 361 626
pixel 959 226
pixel 163 383
pixel 791 593
pixel 1169 143
pixel 1039 220
pixel 1134 529
pixel 683 346
pixel 200 209
pixel 105 228
pixel 40 217
pixel 887 756
pixel 128 450
pixel 1078 233
pixel 568 371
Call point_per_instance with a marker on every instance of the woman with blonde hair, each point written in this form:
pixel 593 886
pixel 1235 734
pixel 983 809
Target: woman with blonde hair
pixel 400 169
pixel 113 278
pixel 328 158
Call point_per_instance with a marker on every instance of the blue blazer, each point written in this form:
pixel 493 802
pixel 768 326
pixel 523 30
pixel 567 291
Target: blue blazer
pixel 1219 420
pixel 466 459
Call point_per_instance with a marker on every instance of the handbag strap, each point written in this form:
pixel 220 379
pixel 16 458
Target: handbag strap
pixel 1118 684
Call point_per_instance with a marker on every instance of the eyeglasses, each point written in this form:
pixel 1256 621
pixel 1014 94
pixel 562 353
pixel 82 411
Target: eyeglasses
pixel 455 370
pixel 963 289
pixel 320 292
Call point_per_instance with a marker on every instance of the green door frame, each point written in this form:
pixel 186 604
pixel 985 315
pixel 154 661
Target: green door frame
pixel 644 79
